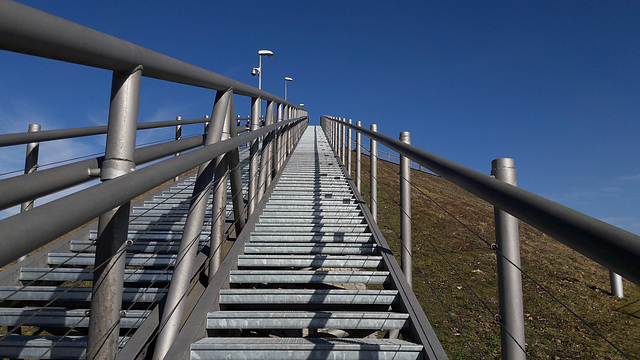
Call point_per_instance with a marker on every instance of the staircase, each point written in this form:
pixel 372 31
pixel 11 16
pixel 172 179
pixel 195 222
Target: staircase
pixel 47 307
pixel 310 283
pixel 314 281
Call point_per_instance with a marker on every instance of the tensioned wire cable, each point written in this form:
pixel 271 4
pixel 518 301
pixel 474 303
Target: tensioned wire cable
pixel 60 265
pixel 457 325
pixel 517 267
pixel 80 158
pixel 134 304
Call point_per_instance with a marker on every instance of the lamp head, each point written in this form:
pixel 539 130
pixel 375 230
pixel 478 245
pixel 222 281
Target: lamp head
pixel 288 79
pixel 265 52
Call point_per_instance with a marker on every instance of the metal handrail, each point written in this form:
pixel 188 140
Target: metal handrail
pixel 18 189
pixel 60 216
pixel 59 134
pixel 610 246
pixel 30 31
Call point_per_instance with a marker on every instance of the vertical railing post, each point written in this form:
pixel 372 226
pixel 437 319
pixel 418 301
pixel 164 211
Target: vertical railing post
pixel 206 126
pixel 183 268
pixel 253 156
pixel 405 211
pixel 358 157
pixel 616 284
pixel 113 226
pixel 235 178
pixel 343 144
pixel 349 141
pixel 31 163
pixel 178 137
pixel 373 173
pixel 509 275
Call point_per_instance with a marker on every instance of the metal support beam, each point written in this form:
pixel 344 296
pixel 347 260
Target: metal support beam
pixel 253 156
pixel 617 289
pixel 349 155
pixel 509 275
pixel 373 173
pixel 113 226
pixel 405 211
pixel 358 158
pixel 235 178
pixel 31 163
pixel 174 306
pixel 178 137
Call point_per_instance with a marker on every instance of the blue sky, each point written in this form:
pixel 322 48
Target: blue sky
pixel 553 84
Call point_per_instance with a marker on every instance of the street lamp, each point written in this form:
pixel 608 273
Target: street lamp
pixel 258 70
pixel 285 86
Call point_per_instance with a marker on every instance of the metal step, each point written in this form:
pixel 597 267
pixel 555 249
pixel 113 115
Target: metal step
pixel 304 348
pixel 283 228
pixel 307 248
pixel 77 259
pixel 73 274
pixel 307 277
pixel 307 297
pixel 311 237
pixel 313 261
pixel 78 318
pixel 73 294
pixel 139 246
pixel 307 320
pixel 46 347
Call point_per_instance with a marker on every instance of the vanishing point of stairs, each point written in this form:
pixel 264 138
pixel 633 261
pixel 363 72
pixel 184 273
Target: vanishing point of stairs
pixel 308 285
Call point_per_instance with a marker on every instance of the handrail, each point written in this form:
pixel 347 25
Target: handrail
pixel 59 134
pixel 18 189
pixel 65 214
pixel 610 246
pixel 30 31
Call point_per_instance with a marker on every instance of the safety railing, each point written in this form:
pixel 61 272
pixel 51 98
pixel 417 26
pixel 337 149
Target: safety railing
pixel 30 31
pixel 614 248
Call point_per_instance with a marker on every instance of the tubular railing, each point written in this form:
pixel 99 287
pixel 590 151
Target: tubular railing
pixel 30 31
pixel 614 248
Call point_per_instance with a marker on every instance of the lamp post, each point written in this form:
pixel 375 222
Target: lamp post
pixel 258 70
pixel 286 79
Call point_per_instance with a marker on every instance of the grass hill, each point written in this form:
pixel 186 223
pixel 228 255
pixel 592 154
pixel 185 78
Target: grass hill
pixel 454 277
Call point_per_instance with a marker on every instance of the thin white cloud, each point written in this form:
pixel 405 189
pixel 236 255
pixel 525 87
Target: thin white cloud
pixel 630 177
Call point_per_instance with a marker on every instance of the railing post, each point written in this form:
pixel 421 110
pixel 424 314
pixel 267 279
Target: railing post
pixel 373 173
pixel 616 284
pixel 253 156
pixel 174 305
pixel 349 140
pixel 358 158
pixel 343 143
pixel 31 163
pixel 113 226
pixel 509 275
pixel 178 137
pixel 206 126
pixel 405 211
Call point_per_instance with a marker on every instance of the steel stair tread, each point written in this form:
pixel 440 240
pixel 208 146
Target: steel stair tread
pixel 62 317
pixel 306 320
pixel 83 274
pixel 304 348
pixel 307 277
pixel 47 347
pixel 72 294
pixel 315 261
pixel 308 296
pixel 81 259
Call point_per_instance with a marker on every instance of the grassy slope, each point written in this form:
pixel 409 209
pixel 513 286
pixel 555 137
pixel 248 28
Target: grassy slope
pixel 467 328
